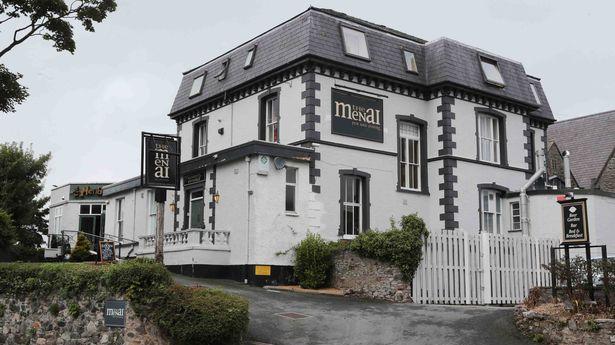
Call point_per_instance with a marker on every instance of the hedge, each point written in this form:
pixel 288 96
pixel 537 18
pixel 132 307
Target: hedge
pixel 186 315
pixel 401 246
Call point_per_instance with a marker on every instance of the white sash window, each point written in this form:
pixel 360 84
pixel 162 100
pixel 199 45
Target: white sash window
pixel 409 156
pixel 491 211
pixel 489 138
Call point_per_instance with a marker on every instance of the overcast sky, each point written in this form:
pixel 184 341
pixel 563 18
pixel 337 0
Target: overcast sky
pixel 88 109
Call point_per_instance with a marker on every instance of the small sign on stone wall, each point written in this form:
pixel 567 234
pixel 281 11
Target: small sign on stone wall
pixel 115 313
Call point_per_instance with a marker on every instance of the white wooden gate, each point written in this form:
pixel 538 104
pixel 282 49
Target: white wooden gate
pixel 458 268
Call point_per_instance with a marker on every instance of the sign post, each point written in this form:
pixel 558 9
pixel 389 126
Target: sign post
pixel 160 156
pixel 575 232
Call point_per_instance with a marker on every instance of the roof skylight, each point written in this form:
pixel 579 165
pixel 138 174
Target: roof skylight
pixel 354 42
pixel 197 85
pixel 410 61
pixel 491 71
pixel 535 92
pixel 250 57
pixel 222 73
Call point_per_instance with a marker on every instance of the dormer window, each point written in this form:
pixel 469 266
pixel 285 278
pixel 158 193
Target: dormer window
pixel 355 43
pixel 535 93
pixel 222 73
pixel 410 61
pixel 197 85
pixel 491 71
pixel 250 57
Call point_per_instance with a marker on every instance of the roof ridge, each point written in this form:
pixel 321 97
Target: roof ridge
pixel 585 116
pixel 368 24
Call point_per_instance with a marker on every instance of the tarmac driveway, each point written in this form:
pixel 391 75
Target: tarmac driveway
pixel 341 320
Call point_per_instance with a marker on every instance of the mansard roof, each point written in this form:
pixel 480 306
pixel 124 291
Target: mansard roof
pixel 315 34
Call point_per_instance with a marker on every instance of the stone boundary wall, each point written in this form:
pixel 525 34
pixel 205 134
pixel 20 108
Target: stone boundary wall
pixel 369 278
pixel 31 321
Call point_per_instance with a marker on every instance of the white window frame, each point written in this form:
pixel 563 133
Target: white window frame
pixel 151 212
pixel 250 57
pixel 119 217
pixel 535 93
pixel 410 61
pixel 57 219
pixel 191 200
pixel 353 44
pixel 492 65
pixel 491 211
pixel 489 140
pixel 202 138
pixel 197 85
pixel 348 232
pixel 294 186
pixel 515 225
pixel 406 142
pixel 272 121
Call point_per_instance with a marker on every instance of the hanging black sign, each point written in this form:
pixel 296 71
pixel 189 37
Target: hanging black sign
pixel 107 251
pixel 160 161
pixel 574 221
pixel 355 115
pixel 115 313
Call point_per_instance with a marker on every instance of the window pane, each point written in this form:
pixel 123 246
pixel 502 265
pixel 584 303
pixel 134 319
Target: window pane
pixel 354 42
pixel 485 204
pixel 404 150
pixel 291 175
pixel 290 198
pixel 84 209
pixel 96 209
pixel 535 93
pixel 408 130
pixel 415 177
pixel 348 220
pixel 249 58
pixel 356 220
pixel 196 213
pixel 410 61
pixel 491 70
pixel 498 203
pixel 357 191
pixel 402 175
pixel 197 83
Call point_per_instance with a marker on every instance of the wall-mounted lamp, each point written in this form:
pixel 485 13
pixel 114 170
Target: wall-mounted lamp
pixel 172 207
pixel 216 197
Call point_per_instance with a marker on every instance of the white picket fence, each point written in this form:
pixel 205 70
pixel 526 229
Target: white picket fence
pixel 459 268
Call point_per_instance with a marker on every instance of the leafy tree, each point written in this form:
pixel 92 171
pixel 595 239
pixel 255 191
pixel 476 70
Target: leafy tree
pixel 50 19
pixel 21 182
pixel 7 231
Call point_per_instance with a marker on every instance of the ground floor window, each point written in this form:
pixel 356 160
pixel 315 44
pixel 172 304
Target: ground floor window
pixel 119 220
pixel 197 207
pixel 291 189
pixel 515 216
pixel 491 210
pixel 354 202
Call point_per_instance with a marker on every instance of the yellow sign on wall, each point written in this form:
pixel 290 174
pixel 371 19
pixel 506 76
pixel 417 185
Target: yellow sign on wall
pixel 262 270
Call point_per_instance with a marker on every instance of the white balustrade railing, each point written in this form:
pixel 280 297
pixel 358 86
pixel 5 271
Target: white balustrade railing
pixel 189 238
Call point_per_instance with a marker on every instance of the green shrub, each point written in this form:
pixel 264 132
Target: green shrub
pixel 399 246
pixel 81 252
pixel 54 309
pixel 208 317
pixel 313 262
pixel 2 309
pixel 74 310
pixel 188 316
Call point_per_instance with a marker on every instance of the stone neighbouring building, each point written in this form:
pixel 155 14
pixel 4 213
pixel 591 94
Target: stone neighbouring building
pixel 591 142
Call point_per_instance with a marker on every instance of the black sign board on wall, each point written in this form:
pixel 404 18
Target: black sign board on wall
pixel 574 221
pixel 115 313
pixel 160 154
pixel 356 115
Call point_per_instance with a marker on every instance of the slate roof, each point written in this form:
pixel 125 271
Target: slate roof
pixel 122 186
pixel 590 140
pixel 316 33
